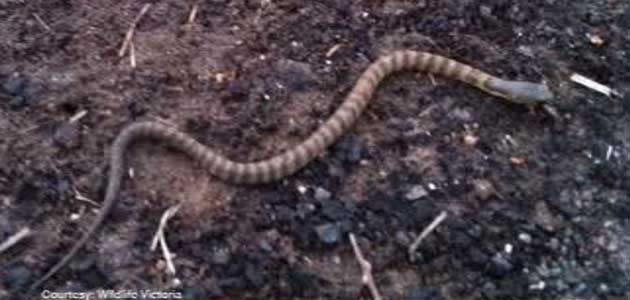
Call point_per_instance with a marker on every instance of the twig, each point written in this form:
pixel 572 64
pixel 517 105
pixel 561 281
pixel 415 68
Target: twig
pixel 41 22
pixel 333 50
pixel 80 197
pixel 132 55
pixel 593 85
pixel 14 239
pixel 159 237
pixel 193 14
pixel 78 116
pixel 425 232
pixel 132 29
pixel 366 269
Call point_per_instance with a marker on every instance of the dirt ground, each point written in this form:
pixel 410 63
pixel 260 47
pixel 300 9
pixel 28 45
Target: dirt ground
pixel 537 206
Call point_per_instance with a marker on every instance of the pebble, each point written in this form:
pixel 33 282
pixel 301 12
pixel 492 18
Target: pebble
pixel 304 209
pixel 20 89
pixel 525 238
pixel 15 84
pixel 422 293
pixel 402 238
pixel 298 76
pixel 544 217
pixel 350 149
pixel 321 194
pixel 67 135
pixel 416 192
pixel 334 210
pixel 265 246
pixel 220 255
pixel 486 11
pixel 526 50
pixel 461 114
pixel 470 139
pixel 484 189
pixel 500 266
pixel 16 276
pixel 328 233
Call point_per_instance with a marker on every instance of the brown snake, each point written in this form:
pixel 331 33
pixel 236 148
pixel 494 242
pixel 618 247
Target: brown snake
pixel 292 160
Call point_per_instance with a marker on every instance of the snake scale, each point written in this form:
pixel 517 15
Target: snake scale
pixel 294 159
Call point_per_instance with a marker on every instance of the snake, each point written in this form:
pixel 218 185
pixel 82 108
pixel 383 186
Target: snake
pixel 292 160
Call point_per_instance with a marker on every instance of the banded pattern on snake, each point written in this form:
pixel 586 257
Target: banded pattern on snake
pixel 294 159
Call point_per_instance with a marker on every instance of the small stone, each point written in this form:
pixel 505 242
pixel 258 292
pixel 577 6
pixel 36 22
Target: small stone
pixel 220 255
pixel 486 11
pixel 265 246
pixel 470 139
pixel 20 89
pixel 321 194
pixel 416 192
pixel 402 238
pixel 544 217
pixel 16 276
pixel 328 233
pixel 15 84
pixel 350 149
pixel 302 189
pixel 298 76
pixel 334 210
pixel 518 160
pixel 422 293
pixel 539 286
pixel 17 102
pixel 500 266
pixel 484 188
pixel 304 209
pixel 67 135
pixel 525 238
pixel 526 50
pixel 461 114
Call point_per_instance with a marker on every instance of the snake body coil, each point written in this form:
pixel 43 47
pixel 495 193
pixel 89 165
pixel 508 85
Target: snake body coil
pixel 294 159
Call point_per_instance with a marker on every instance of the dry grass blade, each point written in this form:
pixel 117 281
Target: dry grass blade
pixel 425 233
pixel 132 29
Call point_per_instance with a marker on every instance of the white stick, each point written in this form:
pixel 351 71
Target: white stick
pixel 425 233
pixel 159 237
pixel 193 14
pixel 132 29
pixel 14 239
pixel 593 85
pixel 366 269
pixel 41 22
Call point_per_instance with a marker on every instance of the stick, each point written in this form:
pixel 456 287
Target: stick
pixel 193 14
pixel 14 239
pixel 593 85
pixel 78 116
pixel 80 197
pixel 132 28
pixel 41 22
pixel 132 55
pixel 366 269
pixel 425 232
pixel 159 237
pixel 333 50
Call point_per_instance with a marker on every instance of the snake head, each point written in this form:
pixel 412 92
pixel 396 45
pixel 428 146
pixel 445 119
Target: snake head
pixel 520 91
